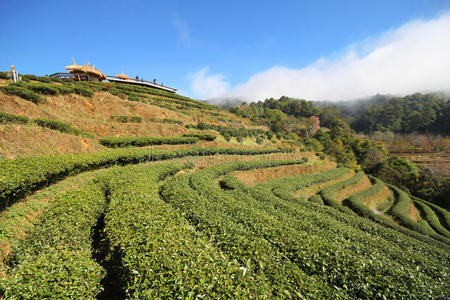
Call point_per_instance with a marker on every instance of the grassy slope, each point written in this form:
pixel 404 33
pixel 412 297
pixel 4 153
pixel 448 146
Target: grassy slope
pixel 93 115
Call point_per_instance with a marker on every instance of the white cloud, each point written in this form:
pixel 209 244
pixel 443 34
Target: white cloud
pixel 208 86
pixel 412 58
pixel 182 29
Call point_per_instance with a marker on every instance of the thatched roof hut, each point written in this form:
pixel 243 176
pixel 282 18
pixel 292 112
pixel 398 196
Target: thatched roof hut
pixel 123 76
pixel 86 72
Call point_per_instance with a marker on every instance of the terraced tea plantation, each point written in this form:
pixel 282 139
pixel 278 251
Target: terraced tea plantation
pixel 147 223
pixel 159 196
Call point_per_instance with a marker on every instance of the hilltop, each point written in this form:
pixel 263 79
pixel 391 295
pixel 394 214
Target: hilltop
pixel 115 191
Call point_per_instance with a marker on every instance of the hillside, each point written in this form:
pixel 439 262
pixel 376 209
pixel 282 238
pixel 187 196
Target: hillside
pixel 111 191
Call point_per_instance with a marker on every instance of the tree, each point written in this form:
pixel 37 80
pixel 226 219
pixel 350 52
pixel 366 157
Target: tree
pixel 311 126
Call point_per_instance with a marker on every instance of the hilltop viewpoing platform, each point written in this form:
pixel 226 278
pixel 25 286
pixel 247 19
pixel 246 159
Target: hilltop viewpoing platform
pixel 90 73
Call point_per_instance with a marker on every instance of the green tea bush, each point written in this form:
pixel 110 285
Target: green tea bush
pixel 328 192
pixel 58 126
pixel 83 91
pixel 328 264
pixel 21 176
pixel 126 119
pixel 22 92
pixel 316 199
pixel 355 201
pixel 10 118
pixel 172 121
pixel 200 136
pixel 400 212
pixel 56 259
pixel 37 78
pixel 162 255
pixel 120 142
pixel 42 88
pixel 430 216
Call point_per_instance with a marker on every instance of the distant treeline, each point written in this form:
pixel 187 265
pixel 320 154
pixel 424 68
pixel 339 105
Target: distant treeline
pixel 413 113
pixel 287 115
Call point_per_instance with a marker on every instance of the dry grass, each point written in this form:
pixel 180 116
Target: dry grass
pixel 413 212
pixel 306 193
pixel 24 140
pixel 375 200
pixel 254 177
pixel 352 189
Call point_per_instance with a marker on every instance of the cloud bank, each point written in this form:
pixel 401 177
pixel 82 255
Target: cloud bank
pixel 412 58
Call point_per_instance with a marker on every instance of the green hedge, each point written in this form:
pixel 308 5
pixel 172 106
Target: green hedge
pixel 316 199
pixel 277 275
pixel 355 201
pixel 56 259
pixel 10 118
pixel 126 119
pixel 120 142
pixel 322 262
pixel 443 214
pixel 400 212
pixel 21 176
pixel 22 92
pixel 328 192
pixel 59 126
pixel 162 256
pixel 430 216
pixel 42 88
pixel 201 136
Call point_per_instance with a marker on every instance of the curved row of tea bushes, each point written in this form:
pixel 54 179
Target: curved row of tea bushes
pixel 55 261
pixel 276 275
pixel 400 212
pixel 121 142
pixel 24 175
pixel 285 187
pixel 201 136
pixel 334 266
pixel 355 201
pixel 328 193
pixel 63 127
pixel 431 217
pixel 162 256
pixel 386 204
pixel 6 118
pixel 443 214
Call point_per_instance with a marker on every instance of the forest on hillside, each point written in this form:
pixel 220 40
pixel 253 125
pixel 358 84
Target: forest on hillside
pixel 415 122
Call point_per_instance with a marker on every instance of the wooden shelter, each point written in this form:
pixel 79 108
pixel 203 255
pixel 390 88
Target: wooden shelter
pixel 123 76
pixel 85 73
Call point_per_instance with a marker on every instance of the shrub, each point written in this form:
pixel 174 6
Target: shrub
pixel 23 175
pixel 172 121
pixel 42 88
pixel 201 136
pixel 126 119
pixel 239 139
pixel 56 260
pixel 145 141
pixel 86 92
pixel 260 139
pixel 316 199
pixel 10 118
pixel 22 92
pixel 3 75
pixel 57 125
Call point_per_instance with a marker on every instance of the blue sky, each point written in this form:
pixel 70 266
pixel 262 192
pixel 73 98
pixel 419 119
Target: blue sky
pixel 190 44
